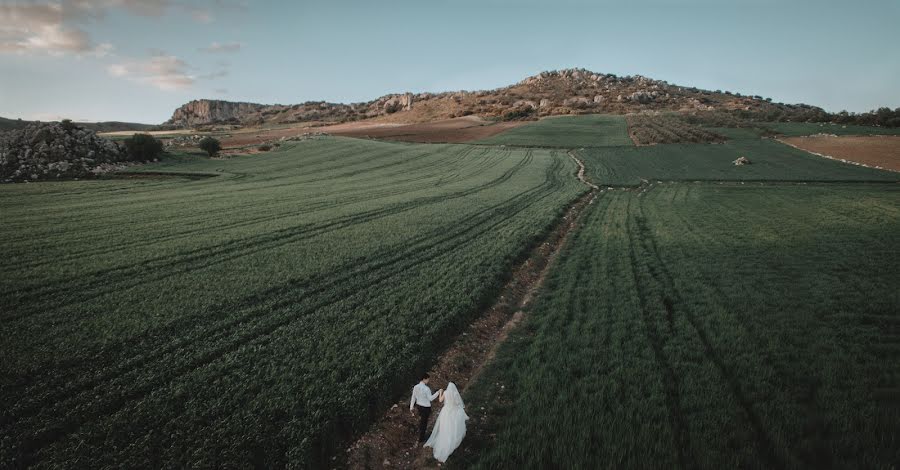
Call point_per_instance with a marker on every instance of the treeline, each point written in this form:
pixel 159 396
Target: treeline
pixel 885 117
pixel 882 117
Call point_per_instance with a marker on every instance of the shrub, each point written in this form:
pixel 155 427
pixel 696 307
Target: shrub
pixel 143 147
pixel 210 145
pixel 517 113
pixel 264 148
pixel 68 125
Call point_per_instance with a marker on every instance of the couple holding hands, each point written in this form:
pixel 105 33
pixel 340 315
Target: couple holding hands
pixel 450 427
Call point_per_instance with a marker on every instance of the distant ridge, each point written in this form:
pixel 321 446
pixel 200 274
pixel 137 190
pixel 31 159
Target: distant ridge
pixel 569 91
pixel 106 126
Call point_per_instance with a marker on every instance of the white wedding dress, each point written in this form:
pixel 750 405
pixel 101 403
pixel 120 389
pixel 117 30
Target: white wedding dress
pixel 450 427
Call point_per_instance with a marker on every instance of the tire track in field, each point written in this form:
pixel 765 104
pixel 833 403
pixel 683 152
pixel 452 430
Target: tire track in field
pixel 670 381
pixel 664 278
pixel 41 440
pixel 214 197
pixel 352 265
pixel 428 239
pixel 391 190
pixel 182 262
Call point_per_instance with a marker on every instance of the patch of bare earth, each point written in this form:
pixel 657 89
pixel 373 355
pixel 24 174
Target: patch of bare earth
pixel 391 442
pixel 873 151
pixel 457 130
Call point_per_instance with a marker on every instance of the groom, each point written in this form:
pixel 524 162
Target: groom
pixel 421 399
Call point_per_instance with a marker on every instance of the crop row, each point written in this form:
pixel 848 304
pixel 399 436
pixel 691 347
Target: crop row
pixel 706 326
pixel 649 129
pixel 261 317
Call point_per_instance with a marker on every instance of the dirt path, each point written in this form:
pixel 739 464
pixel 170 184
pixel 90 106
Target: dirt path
pixel 390 443
pixel 581 170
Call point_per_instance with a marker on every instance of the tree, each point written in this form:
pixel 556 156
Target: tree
pixel 143 147
pixel 210 145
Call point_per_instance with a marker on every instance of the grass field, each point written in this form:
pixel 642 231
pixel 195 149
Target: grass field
pixel 707 326
pixel 595 130
pixel 257 317
pixel 771 160
pixel 792 129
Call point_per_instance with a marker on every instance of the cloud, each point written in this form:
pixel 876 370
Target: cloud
pixel 214 75
pixel 221 91
pixel 58 28
pixel 165 72
pixel 41 28
pixel 228 47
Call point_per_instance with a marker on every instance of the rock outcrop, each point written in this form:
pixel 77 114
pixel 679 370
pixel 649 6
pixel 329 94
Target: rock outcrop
pixel 55 151
pixel 200 112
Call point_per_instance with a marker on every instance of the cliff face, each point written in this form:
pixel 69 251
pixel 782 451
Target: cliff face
pixel 200 112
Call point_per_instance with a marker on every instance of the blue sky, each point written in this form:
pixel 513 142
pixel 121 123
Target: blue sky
pixel 137 60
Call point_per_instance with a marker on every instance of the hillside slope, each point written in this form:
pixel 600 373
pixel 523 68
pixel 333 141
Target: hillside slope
pixel 570 91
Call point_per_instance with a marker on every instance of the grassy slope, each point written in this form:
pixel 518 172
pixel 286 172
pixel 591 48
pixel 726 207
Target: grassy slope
pixel 771 160
pixel 719 326
pixel 256 317
pixel 567 132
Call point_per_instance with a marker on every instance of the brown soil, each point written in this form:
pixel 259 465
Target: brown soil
pixel 465 129
pixel 875 151
pixel 457 130
pixel 391 443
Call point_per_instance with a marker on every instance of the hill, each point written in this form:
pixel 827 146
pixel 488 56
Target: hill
pixel 106 126
pixel 569 91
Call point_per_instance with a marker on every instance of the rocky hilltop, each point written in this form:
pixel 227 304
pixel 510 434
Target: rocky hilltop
pixel 569 91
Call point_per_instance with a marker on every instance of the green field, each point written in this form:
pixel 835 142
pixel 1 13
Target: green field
pixel 770 159
pixel 260 311
pixel 707 326
pixel 595 130
pixel 258 317
pixel 792 129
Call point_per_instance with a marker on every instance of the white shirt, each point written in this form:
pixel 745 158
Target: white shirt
pixel 422 396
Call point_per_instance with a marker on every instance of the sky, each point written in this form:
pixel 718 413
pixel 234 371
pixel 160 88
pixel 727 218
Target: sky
pixel 138 60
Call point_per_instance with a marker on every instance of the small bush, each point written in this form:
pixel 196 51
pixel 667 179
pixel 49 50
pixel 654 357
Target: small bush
pixel 264 148
pixel 143 147
pixel 68 125
pixel 210 145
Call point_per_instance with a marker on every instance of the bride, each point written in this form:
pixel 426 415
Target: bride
pixel 450 427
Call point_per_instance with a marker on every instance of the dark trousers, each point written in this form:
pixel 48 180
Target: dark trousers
pixel 424 414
